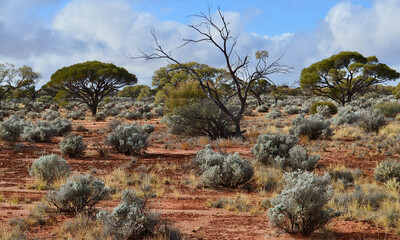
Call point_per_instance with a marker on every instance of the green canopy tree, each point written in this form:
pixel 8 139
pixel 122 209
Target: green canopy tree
pixel 91 81
pixel 26 83
pixel 344 75
pixel 134 91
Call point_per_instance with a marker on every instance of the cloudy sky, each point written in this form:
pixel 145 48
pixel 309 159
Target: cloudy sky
pixel 50 34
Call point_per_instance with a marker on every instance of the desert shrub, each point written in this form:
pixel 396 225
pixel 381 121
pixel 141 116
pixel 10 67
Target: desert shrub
pixel 301 206
pixel 332 107
pixel 50 115
pixel 262 108
pixel 128 139
pixel 80 128
pixel 148 128
pixel 200 117
pixel 12 128
pixel 346 114
pixel 42 131
pixel 291 109
pixel 45 99
pixel 33 115
pixel 268 147
pixel 324 111
pixel 298 159
pixel 72 146
pixel 129 115
pixel 79 194
pixel 62 126
pixel 131 219
pixel 345 175
pixel 313 127
pixel 387 170
pixel 21 113
pixel 388 109
pixel 49 168
pixel 159 110
pixel 100 116
pixel 77 114
pixel 114 124
pixel 371 121
pixel 147 115
pixel 218 169
pixel 273 114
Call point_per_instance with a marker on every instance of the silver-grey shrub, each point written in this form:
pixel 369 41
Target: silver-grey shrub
pixel 269 146
pixel 50 115
pixel 324 111
pixel 273 114
pixel 298 159
pixel 72 146
pixel 49 168
pixel 80 193
pixel 12 128
pixel 42 131
pixel 387 170
pixel 346 115
pixel 218 169
pixel 302 205
pixel 62 126
pixel 148 128
pixel 262 108
pixel 313 127
pixel 291 109
pixel 128 139
pixel 371 121
pixel 131 219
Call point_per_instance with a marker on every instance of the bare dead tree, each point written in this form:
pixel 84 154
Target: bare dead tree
pixel 217 32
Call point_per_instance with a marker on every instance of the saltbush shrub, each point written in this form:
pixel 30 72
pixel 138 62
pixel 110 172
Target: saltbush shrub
pixel 346 115
pixel 218 169
pixel 72 146
pixel 291 109
pixel 302 205
pixel 62 126
pixel 128 139
pixel 12 128
pixel 50 115
pixel 42 131
pixel 273 114
pixel 298 159
pixel 262 108
pixel 100 116
pixel 313 127
pixel 270 146
pixel 131 219
pixel 324 111
pixel 148 128
pixel 387 170
pixel 79 194
pixel 332 107
pixel 77 114
pixel 49 168
pixel 371 121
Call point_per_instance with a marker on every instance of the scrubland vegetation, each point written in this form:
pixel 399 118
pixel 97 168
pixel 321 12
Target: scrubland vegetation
pixel 85 159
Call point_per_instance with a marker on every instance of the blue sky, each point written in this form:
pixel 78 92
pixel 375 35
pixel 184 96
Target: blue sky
pixel 50 34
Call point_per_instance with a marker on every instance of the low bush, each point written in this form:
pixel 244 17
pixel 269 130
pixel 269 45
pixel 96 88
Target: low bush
pixel 72 146
pixel 131 219
pixel 298 159
pixel 62 126
pixel 332 107
pixel 273 114
pixel 290 109
pixel 128 139
pixel 371 121
pixel 42 131
pixel 387 170
pixel 313 127
pixel 49 168
pixel 388 109
pixel 12 128
pixel 79 194
pixel 302 205
pixel 50 115
pixel 218 169
pixel 268 147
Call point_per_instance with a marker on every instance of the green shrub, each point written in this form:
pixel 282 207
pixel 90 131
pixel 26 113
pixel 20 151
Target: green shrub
pixel 301 206
pixel 332 107
pixel 388 109
pixel 79 194
pixel 218 169
pixel 72 146
pixel 49 168
pixel 387 170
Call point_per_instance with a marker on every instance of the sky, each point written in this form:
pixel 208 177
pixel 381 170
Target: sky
pixel 50 34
